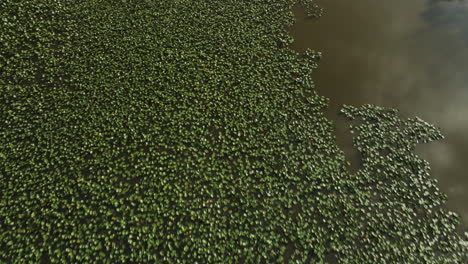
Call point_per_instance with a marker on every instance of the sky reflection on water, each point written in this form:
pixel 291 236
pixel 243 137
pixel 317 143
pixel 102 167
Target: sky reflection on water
pixel 412 56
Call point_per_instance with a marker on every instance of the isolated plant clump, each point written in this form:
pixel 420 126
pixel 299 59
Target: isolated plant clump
pixel 186 131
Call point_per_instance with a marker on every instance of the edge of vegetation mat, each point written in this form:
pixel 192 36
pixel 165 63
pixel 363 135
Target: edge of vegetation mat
pixel 187 131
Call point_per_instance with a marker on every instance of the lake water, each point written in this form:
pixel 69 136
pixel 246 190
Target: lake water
pixel 408 55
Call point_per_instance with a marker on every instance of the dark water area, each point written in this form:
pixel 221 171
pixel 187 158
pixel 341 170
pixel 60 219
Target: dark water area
pixel 408 55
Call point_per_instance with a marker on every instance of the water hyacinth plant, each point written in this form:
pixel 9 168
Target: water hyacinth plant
pixel 187 131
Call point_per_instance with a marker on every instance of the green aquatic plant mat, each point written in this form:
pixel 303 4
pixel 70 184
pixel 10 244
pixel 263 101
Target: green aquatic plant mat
pixel 187 131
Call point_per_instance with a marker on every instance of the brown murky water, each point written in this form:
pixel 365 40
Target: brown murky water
pixel 409 55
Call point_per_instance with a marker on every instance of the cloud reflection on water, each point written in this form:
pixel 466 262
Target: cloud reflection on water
pixel 412 56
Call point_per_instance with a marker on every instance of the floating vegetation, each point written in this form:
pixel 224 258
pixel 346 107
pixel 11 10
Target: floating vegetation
pixel 185 131
pixel 397 203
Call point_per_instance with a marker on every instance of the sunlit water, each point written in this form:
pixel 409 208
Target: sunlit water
pixel 409 55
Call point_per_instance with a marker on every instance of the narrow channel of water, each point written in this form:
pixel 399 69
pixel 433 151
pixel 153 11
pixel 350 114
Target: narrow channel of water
pixel 409 55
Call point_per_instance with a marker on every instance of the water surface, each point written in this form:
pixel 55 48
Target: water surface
pixel 409 55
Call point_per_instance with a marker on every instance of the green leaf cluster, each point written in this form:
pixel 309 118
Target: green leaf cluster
pixel 186 131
